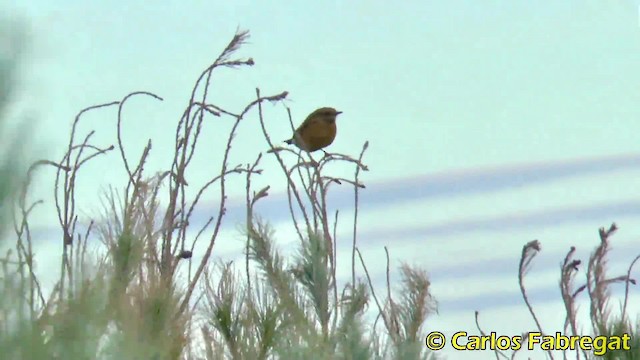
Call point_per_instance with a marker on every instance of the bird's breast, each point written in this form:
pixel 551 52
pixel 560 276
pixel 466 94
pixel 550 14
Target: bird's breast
pixel 319 134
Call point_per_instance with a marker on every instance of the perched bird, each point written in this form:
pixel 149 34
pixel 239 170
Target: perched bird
pixel 317 131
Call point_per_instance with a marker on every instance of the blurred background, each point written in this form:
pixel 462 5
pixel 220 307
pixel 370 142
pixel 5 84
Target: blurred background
pixel 490 124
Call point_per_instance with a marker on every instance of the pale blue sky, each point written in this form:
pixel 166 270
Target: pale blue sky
pixel 490 123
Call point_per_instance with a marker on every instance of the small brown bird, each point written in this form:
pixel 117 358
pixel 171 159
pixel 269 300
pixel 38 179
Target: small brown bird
pixel 317 131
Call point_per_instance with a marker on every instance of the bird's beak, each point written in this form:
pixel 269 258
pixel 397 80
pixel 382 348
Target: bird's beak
pixel 338 112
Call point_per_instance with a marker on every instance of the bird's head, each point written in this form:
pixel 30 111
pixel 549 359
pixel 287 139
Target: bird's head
pixel 327 114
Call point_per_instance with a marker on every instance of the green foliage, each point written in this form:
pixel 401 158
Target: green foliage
pixel 619 327
pixel 10 163
pixel 597 287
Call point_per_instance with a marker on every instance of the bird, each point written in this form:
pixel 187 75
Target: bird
pixel 317 131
